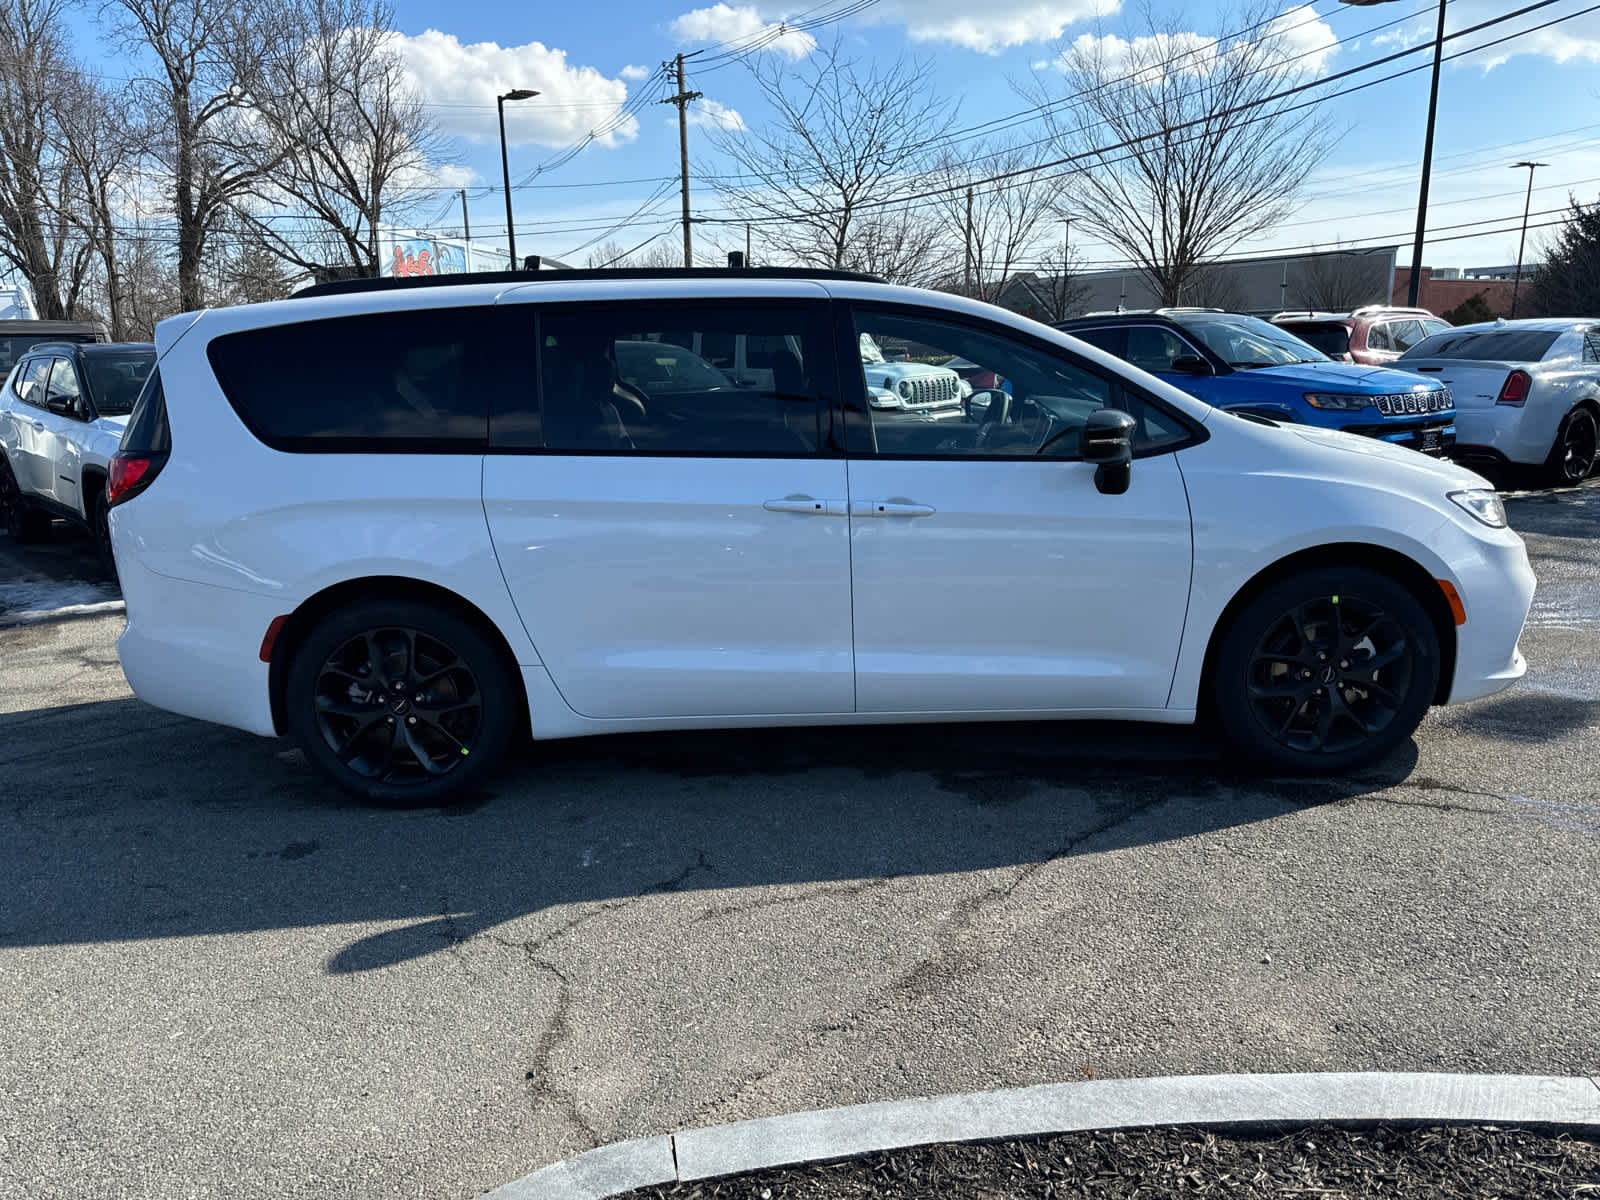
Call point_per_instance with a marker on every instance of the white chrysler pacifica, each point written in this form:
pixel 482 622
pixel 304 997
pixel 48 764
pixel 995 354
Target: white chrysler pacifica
pixel 404 522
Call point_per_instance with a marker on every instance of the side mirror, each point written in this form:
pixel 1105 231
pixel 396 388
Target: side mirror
pixel 1191 364
pixel 60 405
pixel 1107 441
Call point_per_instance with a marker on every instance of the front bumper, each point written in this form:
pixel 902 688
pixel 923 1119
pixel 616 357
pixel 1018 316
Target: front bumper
pixel 1496 589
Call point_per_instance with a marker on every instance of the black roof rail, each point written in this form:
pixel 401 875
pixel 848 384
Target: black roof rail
pixel 345 287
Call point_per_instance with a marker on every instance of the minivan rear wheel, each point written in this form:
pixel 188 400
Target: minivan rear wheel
pixel 404 704
pixel 1326 671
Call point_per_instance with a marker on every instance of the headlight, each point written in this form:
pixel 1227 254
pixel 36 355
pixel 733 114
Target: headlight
pixel 1343 401
pixel 964 388
pixel 1483 504
pixel 905 388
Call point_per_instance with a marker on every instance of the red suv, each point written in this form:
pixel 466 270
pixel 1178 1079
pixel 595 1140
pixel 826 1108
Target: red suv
pixel 1373 335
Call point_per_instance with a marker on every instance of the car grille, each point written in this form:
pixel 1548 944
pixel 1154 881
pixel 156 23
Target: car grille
pixel 934 389
pixel 1405 404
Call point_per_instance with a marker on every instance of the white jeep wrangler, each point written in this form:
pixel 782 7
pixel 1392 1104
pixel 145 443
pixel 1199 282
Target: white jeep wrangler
pixel 916 389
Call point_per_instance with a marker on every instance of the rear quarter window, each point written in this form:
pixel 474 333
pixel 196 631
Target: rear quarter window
pixel 419 380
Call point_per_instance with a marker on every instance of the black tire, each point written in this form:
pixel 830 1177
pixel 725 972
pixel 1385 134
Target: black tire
pixel 344 708
pixel 1294 687
pixel 23 523
pixel 1577 445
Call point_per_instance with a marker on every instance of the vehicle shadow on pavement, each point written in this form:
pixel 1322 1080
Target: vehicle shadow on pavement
pixel 121 822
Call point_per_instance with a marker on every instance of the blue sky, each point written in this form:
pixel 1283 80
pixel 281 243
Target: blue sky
pixel 1537 96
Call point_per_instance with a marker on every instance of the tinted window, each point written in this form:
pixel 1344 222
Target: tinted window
pixel 1017 399
pixel 1378 338
pixel 1591 346
pixel 147 431
pixel 1406 334
pixel 418 381
pixel 622 380
pixel 1492 345
pixel 1110 338
pixel 1329 337
pixel 115 380
pixel 1154 349
pixel 30 382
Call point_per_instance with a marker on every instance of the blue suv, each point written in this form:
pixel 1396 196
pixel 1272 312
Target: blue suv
pixel 1246 364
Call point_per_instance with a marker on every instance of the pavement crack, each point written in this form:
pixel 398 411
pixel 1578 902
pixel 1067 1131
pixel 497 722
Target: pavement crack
pixel 682 877
pixel 822 892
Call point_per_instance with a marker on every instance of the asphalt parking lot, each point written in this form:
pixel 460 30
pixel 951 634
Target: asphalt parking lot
pixel 220 979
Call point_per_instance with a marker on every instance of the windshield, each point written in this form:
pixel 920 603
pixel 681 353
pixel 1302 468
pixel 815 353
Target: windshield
pixel 1247 342
pixel 663 367
pixel 115 380
pixel 1330 337
pixel 869 350
pixel 1492 345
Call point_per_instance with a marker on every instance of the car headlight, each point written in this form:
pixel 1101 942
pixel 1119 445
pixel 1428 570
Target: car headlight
pixel 964 388
pixel 905 388
pixel 1483 504
pixel 1343 401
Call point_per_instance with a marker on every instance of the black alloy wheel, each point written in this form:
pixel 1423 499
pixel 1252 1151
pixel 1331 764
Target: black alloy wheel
pixel 404 704
pixel 1573 458
pixel 1327 670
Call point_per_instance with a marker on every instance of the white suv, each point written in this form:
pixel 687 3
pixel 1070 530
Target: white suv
pixel 403 520
pixel 62 412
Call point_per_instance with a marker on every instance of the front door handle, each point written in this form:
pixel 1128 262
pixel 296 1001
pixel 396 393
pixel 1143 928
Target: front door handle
pixel 807 506
pixel 889 508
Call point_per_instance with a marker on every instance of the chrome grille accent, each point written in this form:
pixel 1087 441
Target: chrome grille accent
pixel 933 389
pixel 1406 403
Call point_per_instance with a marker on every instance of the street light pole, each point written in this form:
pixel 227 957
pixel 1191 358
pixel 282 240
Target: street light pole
pixel 1427 150
pixel 505 166
pixel 1527 203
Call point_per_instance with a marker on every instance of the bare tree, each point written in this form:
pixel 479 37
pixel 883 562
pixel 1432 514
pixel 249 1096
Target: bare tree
pixel 345 132
pixel 103 149
pixel 206 143
pixel 1342 280
pixel 659 252
pixel 1215 285
pixel 38 185
pixel 1059 282
pixel 996 226
pixel 1184 147
pixel 824 177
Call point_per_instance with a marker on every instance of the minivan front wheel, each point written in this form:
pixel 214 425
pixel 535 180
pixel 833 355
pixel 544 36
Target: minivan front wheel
pixel 402 703
pixel 1325 671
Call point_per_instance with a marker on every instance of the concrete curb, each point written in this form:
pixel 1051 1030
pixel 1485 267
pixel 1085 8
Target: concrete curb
pixel 1571 1101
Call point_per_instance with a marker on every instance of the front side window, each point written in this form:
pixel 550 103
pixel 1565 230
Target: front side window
pixel 684 380
pixel 1154 349
pixel 417 380
pixel 65 392
pixel 968 391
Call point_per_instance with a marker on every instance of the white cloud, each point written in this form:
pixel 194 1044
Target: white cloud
pixel 634 74
pixel 993 25
pixel 463 81
pixel 1302 37
pixel 1574 40
pixel 741 27
pixel 447 176
pixel 711 115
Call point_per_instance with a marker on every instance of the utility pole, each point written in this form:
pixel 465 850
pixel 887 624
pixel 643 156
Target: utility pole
pixel 1527 203
pixel 1064 285
pixel 747 244
pixel 466 225
pixel 967 261
pixel 682 101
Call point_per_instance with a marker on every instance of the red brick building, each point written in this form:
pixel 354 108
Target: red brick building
pixel 1441 295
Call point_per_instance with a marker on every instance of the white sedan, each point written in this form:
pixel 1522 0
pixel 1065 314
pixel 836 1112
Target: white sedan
pixel 1527 392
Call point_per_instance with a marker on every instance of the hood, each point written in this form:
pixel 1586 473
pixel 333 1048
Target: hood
pixel 1344 377
pixel 902 370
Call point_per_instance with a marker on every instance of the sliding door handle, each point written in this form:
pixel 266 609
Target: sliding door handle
pixel 889 508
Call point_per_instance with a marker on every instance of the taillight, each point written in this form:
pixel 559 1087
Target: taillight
pixel 1515 388
pixel 129 474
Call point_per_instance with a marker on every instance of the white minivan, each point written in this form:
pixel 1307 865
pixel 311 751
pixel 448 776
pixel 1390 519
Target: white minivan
pixel 406 521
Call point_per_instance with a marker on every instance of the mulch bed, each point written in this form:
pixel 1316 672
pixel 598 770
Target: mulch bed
pixel 1469 1162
